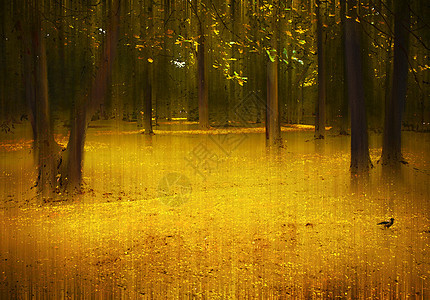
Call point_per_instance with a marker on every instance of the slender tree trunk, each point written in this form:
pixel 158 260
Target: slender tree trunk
pixel 344 92
pixel 231 85
pixel 391 147
pixel 360 159
pixel 3 62
pixel 147 87
pixel 202 82
pixel 273 132
pixel 273 128
pixel 147 76
pixel 288 105
pixel 320 104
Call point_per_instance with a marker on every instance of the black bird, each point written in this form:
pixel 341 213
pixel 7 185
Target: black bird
pixel 388 223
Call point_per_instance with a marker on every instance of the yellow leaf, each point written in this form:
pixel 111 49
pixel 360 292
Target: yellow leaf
pixel 150 60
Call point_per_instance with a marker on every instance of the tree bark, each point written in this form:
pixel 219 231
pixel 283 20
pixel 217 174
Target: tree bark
pixel 360 159
pixel 320 104
pixel 273 128
pixel 36 94
pixel 147 76
pixel 343 126
pixel 391 147
pixel 147 87
pixel 202 81
pixel 85 109
pixel 44 141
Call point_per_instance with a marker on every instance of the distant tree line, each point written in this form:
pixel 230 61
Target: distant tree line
pixel 350 64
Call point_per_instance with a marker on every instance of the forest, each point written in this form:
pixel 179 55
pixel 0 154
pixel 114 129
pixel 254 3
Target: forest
pixel 215 149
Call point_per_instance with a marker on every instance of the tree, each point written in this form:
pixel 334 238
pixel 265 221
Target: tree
pixel 60 170
pixel 147 25
pixel 36 85
pixel 360 159
pixel 202 76
pixel 71 175
pixel 320 104
pixel 391 147
pixel 273 128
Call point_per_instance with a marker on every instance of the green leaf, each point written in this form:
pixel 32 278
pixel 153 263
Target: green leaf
pixel 272 58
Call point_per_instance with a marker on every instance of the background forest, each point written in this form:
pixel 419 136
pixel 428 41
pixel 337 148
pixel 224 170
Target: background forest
pixel 65 63
pixel 224 144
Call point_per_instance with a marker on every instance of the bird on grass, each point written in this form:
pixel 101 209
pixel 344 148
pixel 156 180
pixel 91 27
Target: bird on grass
pixel 387 224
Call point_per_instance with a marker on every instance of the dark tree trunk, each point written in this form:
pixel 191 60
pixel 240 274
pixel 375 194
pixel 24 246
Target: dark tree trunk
pixel 273 131
pixel 273 128
pixel 289 103
pixel 391 147
pixel 45 144
pixel 74 156
pixel 85 109
pixel 36 93
pixel 343 126
pixel 147 69
pixel 147 110
pixel 360 159
pixel 202 82
pixel 320 104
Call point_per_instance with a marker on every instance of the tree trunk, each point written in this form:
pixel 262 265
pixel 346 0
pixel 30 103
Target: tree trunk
pixel 320 104
pixel 273 128
pixel 273 131
pixel 147 69
pixel 391 147
pixel 85 109
pixel 147 87
pixel 36 94
pixel 202 82
pixel 360 159
pixel 44 140
pixel 343 126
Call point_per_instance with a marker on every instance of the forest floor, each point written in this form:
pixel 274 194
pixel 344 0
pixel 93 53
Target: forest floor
pixel 217 216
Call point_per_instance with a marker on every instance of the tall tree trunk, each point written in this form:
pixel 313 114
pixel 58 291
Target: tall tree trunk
pixel 320 104
pixel 45 144
pixel 85 108
pixel 147 69
pixel 343 126
pixel 391 147
pixel 36 93
pixel 231 85
pixel 273 128
pixel 202 82
pixel 360 159
pixel 3 62
pixel 147 87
